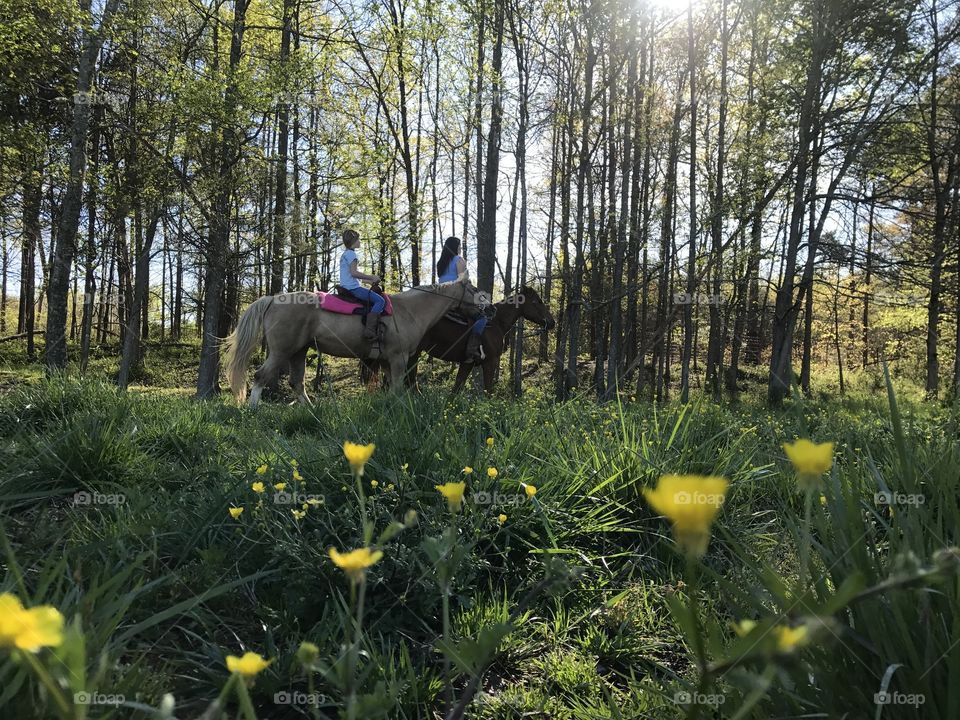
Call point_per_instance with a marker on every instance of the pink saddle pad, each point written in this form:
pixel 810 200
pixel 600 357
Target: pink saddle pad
pixel 334 303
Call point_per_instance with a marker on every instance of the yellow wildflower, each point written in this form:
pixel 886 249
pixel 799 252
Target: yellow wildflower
pixel 744 627
pixel 790 638
pixel 453 492
pixel 262 470
pixel 530 490
pixel 691 502
pixel 355 562
pixel 258 487
pixel 236 512
pixel 811 460
pixel 501 518
pixel 467 470
pixel 249 665
pixel 492 472
pixel 297 476
pixel 294 463
pixel 489 442
pixel 374 483
pixel 307 653
pixel 29 629
pixel 280 486
pixel 298 514
pixel 358 455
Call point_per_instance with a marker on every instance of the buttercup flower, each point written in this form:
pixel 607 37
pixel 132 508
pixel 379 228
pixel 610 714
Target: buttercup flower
pixel 258 487
pixel 297 476
pixel 691 502
pixel 262 470
pixel 530 490
pixel 294 463
pixel 744 627
pixel 29 629
pixel 790 638
pixel 307 653
pixel 358 455
pixel 492 472
pixel 249 665
pixel 236 512
pixel 279 486
pixel 453 492
pixel 355 562
pixel 489 442
pixel 501 518
pixel 467 470
pixel 811 460
pixel 298 514
pixel 374 483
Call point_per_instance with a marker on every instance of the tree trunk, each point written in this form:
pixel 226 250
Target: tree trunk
pixel 219 239
pixel 62 263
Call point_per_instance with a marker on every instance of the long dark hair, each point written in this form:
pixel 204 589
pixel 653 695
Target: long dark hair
pixel 451 246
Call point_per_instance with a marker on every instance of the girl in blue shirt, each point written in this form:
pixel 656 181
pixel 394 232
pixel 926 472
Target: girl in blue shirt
pixel 449 267
pixel 350 277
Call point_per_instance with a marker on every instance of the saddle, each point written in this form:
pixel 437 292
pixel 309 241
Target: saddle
pixel 343 301
pixel 460 318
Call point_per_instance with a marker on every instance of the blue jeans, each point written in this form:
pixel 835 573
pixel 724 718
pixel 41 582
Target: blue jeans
pixel 479 325
pixel 367 295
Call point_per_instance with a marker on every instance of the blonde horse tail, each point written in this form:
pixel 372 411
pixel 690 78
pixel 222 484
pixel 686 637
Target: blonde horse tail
pixel 240 344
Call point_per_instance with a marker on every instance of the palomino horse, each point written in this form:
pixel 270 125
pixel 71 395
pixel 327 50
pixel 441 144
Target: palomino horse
pixel 294 322
pixel 447 339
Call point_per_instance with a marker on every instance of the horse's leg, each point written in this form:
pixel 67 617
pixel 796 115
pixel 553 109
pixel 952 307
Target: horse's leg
pixel 489 369
pixel 398 369
pixel 298 368
pixel 462 374
pixel 412 364
pixel 265 374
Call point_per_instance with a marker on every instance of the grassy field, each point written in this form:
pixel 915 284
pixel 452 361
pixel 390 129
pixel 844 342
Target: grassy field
pixel 573 602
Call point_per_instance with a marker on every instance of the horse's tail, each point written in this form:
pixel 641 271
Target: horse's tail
pixel 240 344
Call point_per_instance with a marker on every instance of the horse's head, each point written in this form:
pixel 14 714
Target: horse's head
pixel 534 309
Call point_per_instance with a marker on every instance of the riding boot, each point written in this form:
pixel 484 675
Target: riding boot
pixel 371 329
pixel 474 353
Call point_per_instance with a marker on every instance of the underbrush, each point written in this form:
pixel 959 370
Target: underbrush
pixel 567 602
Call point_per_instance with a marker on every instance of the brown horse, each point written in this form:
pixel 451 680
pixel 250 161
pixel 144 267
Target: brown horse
pixel 294 322
pixel 447 339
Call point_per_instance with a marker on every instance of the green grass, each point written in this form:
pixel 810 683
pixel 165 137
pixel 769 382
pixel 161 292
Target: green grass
pixel 166 583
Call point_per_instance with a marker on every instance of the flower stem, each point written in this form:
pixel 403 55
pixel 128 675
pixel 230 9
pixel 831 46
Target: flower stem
pixel 48 682
pixel 805 539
